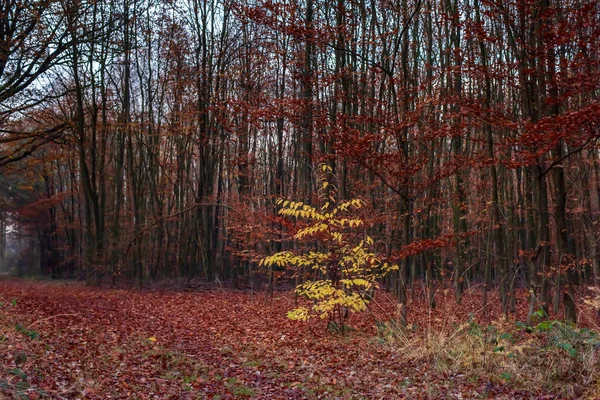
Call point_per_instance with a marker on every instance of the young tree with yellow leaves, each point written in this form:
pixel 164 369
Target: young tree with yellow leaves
pixel 345 271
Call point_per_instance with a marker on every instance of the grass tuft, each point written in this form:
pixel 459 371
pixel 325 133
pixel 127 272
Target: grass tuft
pixel 550 356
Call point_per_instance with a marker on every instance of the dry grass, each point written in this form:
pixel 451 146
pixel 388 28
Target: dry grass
pixel 549 357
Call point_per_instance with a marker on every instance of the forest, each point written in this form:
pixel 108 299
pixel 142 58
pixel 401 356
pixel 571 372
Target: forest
pixel 378 199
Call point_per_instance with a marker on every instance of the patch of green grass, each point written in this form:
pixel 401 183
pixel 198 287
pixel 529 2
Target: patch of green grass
pixel 171 375
pixel 243 391
pixel 272 374
pixel 328 389
pixel 238 388
pixel 334 389
pixel 308 392
pixel 252 363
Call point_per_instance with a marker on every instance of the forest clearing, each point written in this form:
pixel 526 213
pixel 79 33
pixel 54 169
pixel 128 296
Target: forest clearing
pixel 64 340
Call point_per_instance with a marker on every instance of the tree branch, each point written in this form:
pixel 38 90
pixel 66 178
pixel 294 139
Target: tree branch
pixel 157 221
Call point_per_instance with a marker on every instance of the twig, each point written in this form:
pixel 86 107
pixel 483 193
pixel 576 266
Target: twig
pixel 49 318
pixel 171 216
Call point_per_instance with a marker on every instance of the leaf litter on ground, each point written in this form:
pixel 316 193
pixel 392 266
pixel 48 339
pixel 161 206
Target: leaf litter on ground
pixel 96 343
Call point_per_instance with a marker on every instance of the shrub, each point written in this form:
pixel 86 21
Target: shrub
pixel 344 271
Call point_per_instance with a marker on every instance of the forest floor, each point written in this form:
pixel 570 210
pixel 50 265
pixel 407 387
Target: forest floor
pixel 65 340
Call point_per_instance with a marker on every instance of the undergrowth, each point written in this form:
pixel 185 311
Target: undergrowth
pixel 549 356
